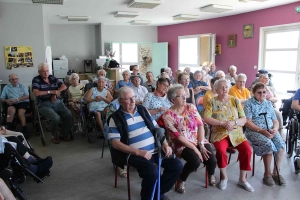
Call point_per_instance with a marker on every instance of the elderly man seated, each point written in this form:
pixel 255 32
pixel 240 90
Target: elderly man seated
pixel 47 88
pixel 16 96
pixel 135 71
pixel 238 90
pixel 188 71
pixel 131 132
pixel 151 83
pixel 231 76
pixel 212 71
pixel 108 84
pixel 138 90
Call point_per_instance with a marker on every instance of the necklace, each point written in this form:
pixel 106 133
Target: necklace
pixel 222 104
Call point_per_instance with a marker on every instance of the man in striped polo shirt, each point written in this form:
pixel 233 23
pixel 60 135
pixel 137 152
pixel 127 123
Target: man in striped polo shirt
pixel 47 88
pixel 131 130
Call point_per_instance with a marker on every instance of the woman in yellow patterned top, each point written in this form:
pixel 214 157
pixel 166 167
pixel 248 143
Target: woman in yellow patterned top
pixel 227 117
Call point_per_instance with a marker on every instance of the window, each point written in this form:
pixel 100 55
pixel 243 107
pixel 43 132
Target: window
pixel 280 56
pixel 126 54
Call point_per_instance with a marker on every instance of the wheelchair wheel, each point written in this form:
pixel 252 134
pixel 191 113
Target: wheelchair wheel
pixel 81 124
pixel 290 138
pixel 295 135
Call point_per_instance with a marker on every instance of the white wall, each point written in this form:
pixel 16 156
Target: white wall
pixel 128 34
pixel 21 25
pixel 76 42
pixel 46 29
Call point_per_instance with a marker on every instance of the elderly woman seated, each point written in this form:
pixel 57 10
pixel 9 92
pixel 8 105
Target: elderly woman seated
pixel 98 98
pixel 226 115
pixel 264 141
pixel 272 97
pixel 138 90
pixel 238 90
pixel 231 76
pixel 184 79
pixel 221 75
pixel 75 93
pixel 125 82
pixel 157 102
pixel 185 128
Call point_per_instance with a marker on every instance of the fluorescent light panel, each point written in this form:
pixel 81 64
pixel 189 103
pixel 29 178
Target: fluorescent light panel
pixel 185 17
pixel 140 22
pixel 60 2
pixel 215 8
pixel 126 14
pixel 148 4
pixel 78 18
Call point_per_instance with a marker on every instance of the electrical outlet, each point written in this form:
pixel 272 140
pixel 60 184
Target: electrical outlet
pixel 255 67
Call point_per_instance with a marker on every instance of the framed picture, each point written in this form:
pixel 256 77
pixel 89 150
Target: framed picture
pixel 248 31
pixel 231 41
pixel 218 49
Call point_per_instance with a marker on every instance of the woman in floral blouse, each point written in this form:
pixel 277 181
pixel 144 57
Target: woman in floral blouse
pixel 185 128
pixel 226 115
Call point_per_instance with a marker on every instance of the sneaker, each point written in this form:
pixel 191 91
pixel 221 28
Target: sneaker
pixel 269 181
pixel 282 181
pixel 246 186
pixel 223 184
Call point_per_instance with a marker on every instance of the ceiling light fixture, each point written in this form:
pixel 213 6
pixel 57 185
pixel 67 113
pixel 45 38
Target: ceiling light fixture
pixel 148 4
pixel 215 8
pixel 140 22
pixel 185 17
pixel 59 2
pixel 78 18
pixel 126 14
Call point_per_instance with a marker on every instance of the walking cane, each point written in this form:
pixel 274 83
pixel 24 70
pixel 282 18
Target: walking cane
pixel 264 114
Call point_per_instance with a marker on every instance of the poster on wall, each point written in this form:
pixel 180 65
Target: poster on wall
pixel 18 56
pixel 145 57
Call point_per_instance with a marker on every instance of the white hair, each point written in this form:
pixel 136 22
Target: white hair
pixel 42 65
pixel 241 75
pixel 73 75
pixel 217 83
pixel 126 71
pixel 168 69
pixel 220 72
pixel 101 78
pixel 173 90
pixel 123 90
pixel 100 70
pixel 232 67
pixel 11 75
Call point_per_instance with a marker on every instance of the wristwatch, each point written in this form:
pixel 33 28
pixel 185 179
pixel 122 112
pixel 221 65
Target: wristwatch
pixel 235 121
pixel 48 92
pixel 201 143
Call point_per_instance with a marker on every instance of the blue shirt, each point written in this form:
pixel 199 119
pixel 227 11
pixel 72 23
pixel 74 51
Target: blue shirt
pixel 139 135
pixel 39 84
pixel 122 83
pixel 297 95
pixel 11 92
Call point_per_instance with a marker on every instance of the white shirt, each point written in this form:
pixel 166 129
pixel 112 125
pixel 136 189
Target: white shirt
pixel 230 78
pixel 140 92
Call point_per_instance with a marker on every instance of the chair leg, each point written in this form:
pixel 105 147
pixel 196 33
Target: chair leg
pixel 206 178
pixel 116 176
pixel 128 183
pixel 103 144
pixel 229 158
pixel 253 164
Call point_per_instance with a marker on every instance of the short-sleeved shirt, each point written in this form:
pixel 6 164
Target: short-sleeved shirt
pixel 11 92
pixel 231 110
pixel 153 102
pixel 76 92
pixel 252 110
pixel 150 87
pixel 95 105
pixel 122 83
pixel 234 91
pixel 208 95
pixel 297 95
pixel 39 84
pixel 185 125
pixel 140 92
pixel 230 78
pixel 142 79
pixel 139 135
pixel 212 74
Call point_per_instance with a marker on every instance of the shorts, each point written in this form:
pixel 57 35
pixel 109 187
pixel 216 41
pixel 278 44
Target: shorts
pixel 22 105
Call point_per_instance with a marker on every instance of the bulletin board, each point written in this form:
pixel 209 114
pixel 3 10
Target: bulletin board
pixel 18 56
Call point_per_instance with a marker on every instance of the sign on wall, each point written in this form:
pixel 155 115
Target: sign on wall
pixel 18 56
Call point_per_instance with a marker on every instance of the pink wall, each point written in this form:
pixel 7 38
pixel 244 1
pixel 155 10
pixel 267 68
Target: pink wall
pixel 245 55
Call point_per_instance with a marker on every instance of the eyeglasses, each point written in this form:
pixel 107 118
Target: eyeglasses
pixel 260 92
pixel 130 99
pixel 181 96
pixel 165 85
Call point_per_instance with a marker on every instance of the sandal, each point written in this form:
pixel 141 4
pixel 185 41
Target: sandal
pixel 282 181
pixel 211 180
pixel 180 186
pixel 123 172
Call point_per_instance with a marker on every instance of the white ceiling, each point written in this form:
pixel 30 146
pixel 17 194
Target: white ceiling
pixel 102 11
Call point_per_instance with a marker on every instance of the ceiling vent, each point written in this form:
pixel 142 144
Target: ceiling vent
pixel 215 8
pixel 78 18
pixel 245 1
pixel 148 4
pixel 185 17
pixel 126 14
pixel 140 22
pixel 59 2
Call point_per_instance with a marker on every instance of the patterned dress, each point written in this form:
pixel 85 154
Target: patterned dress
pixel 260 143
pixel 231 110
pixel 97 106
pixel 185 125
